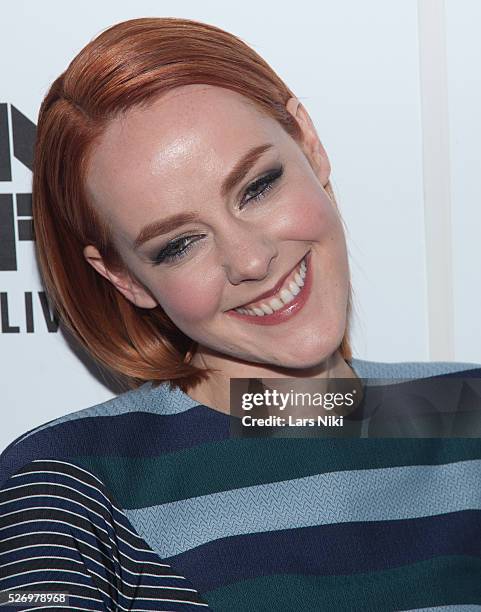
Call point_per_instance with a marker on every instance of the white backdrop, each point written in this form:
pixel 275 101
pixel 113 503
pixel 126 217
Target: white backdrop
pixel 393 87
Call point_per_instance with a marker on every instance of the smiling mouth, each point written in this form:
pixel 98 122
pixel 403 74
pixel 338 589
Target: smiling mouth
pixel 291 287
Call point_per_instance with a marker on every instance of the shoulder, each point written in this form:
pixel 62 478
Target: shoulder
pixel 413 369
pixel 119 425
pixel 60 525
pixel 54 498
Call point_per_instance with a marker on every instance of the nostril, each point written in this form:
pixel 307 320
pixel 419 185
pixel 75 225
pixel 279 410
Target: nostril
pixel 297 272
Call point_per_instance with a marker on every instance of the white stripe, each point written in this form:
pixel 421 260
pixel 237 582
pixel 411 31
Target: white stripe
pixel 110 504
pixel 30 533
pixel 88 576
pixel 125 569
pixel 9 552
pixel 22 585
pixel 49 582
pixel 436 178
pixel 47 569
pixel 43 557
pixel 82 506
pixel 95 573
pixel 117 576
pixel 103 519
pixel 70 465
pixel 19 587
pixel 59 484
pixel 50 607
pixel 63 534
pixel 73 501
pixel 45 520
pixel 83 554
pixel 145 586
pixel 89 609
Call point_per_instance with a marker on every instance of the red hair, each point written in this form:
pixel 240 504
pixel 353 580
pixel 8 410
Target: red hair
pixel 129 64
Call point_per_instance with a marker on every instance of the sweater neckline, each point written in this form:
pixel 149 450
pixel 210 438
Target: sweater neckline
pixel 190 402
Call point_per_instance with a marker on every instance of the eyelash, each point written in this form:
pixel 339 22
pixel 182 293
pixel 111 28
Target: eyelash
pixel 268 180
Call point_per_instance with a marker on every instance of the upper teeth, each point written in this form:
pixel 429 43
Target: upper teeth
pixel 286 294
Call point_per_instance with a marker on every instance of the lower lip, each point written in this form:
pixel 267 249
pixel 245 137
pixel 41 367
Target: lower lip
pixel 288 310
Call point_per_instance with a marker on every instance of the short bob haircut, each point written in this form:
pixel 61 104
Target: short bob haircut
pixel 129 65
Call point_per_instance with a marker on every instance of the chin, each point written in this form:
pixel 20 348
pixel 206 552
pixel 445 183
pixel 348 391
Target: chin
pixel 315 353
pixel 302 360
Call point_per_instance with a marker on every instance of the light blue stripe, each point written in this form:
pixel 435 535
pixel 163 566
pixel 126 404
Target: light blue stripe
pixel 336 497
pixel 162 400
pixel 380 372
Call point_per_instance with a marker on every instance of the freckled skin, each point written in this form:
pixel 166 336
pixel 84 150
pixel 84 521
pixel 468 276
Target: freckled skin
pixel 172 157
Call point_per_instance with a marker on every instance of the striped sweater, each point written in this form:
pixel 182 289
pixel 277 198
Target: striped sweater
pixel 145 502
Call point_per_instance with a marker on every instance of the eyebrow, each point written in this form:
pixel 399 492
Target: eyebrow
pixel 235 176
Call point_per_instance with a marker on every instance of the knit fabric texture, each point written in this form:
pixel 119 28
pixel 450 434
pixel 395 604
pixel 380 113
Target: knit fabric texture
pixel 146 502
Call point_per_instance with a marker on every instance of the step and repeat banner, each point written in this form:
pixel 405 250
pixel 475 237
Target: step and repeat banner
pixel 381 80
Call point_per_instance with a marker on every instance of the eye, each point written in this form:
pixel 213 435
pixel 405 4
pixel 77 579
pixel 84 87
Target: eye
pixel 258 189
pixel 172 252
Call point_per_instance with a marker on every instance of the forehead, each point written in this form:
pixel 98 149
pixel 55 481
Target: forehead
pixel 184 142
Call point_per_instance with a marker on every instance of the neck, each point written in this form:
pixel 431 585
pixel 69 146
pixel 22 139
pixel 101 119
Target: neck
pixel 215 392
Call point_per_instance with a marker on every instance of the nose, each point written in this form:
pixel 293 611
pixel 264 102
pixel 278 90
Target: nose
pixel 247 254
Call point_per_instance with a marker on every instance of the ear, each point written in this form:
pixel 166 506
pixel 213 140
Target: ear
pixel 311 144
pixel 122 281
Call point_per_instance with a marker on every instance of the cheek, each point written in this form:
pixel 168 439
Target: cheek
pixel 309 215
pixel 190 298
pixel 314 218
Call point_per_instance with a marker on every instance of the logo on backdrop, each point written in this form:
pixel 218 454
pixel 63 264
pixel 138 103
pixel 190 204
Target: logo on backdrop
pixel 17 138
pixel 13 217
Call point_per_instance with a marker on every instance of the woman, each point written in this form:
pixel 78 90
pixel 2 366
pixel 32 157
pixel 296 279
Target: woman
pixel 188 234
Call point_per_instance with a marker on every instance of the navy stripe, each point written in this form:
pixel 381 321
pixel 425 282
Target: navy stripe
pixel 112 435
pixel 347 548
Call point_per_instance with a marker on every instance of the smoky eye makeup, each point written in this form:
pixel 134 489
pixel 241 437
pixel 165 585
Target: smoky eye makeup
pixel 252 194
pixel 261 186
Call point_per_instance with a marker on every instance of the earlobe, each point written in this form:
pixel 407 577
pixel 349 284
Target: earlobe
pixel 123 282
pixel 311 144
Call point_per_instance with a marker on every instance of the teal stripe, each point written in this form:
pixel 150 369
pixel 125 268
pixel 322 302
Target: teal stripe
pixel 337 497
pixel 247 462
pixel 442 581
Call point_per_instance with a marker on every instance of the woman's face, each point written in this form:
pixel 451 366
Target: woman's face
pixel 242 232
